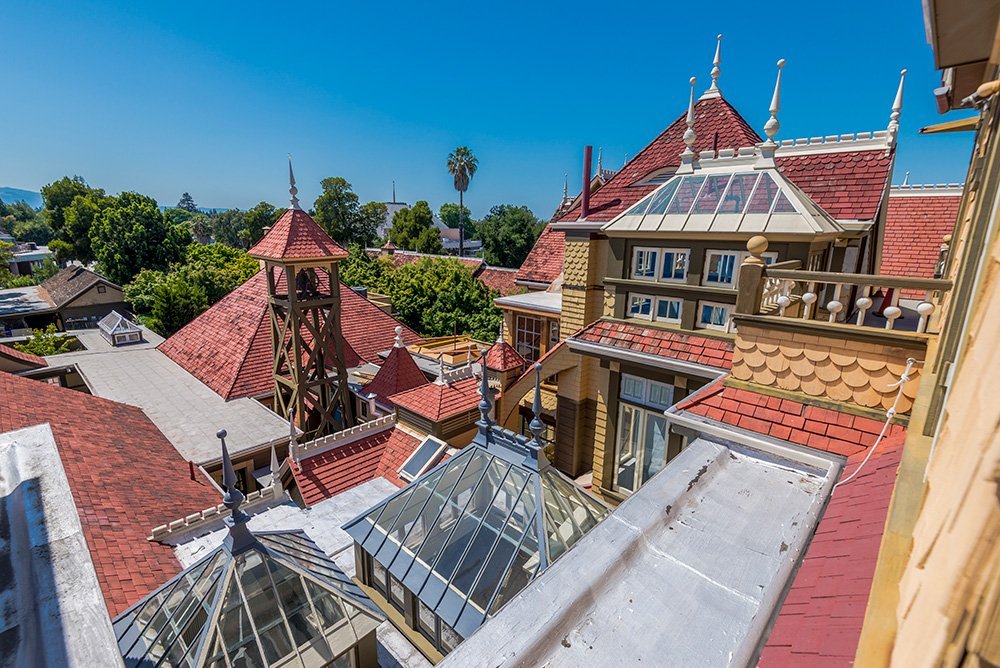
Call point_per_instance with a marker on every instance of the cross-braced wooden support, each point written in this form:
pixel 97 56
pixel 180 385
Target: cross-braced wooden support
pixel 310 376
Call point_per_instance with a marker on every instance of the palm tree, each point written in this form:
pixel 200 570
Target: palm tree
pixel 462 165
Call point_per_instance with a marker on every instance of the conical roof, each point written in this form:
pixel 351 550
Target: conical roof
pixel 501 356
pixel 398 373
pixel 296 236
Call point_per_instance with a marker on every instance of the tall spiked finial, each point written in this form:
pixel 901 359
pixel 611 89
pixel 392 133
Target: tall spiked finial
pixel 600 161
pixel 688 156
pixel 772 125
pixel 565 198
pixel 292 190
pixel 275 466
pixel 897 106
pixel 239 536
pixel 394 191
pixel 399 338
pixel 440 379
pixel 500 338
pixel 536 457
pixel 485 403
pixel 713 90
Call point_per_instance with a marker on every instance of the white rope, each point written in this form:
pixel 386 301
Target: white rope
pixel 889 414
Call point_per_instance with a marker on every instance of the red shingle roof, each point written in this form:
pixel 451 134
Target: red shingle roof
pixel 545 261
pixel 820 621
pixel 653 341
pixel 228 347
pixel 125 478
pixel 329 473
pixel 397 374
pixel 401 258
pixel 26 360
pixel 296 236
pixel 501 356
pixel 914 228
pixel 499 279
pixel 440 402
pixel 848 185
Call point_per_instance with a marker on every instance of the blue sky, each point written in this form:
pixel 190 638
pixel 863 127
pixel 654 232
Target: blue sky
pixel 208 97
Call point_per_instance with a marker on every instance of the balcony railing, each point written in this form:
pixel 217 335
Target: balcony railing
pixel 860 300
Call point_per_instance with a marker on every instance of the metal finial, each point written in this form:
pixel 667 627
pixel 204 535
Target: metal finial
pixel 688 155
pixel 626 161
pixel 500 337
pixel 440 378
pixel 485 404
pixel 239 537
pixel 772 125
pixel 536 425
pixel 714 88
pixel 565 187
pixel 897 107
pixel 292 190
pixel 906 178
pixel 275 464
pixel 399 338
pixel 600 161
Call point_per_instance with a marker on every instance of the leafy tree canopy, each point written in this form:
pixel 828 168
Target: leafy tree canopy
pixel 11 214
pixel 508 232
pixel 44 342
pixel 35 230
pixel 372 215
pixel 78 219
pixel 60 194
pixel 338 212
pixel 448 213
pixel 362 270
pixel 131 234
pixel 410 229
pixel 176 302
pixel 227 226
pixel 255 220
pixel 186 203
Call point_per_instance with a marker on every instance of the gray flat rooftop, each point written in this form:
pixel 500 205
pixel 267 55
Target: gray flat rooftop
pixel 181 406
pixel 548 302
pixel 322 523
pixel 688 571
pixel 52 611
pixel 20 301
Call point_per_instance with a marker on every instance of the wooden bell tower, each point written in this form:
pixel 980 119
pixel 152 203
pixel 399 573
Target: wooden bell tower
pixel 310 376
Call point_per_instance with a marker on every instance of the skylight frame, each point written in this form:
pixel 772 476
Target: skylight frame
pixel 431 462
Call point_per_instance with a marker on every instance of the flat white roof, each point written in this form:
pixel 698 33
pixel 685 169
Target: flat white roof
pixel 22 301
pixel 548 302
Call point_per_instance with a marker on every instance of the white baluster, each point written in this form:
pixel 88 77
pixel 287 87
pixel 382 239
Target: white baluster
pixel 863 303
pixel 834 307
pixel 891 313
pixel 808 298
pixel 783 302
pixel 924 309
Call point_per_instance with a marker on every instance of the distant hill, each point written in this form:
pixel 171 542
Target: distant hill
pixel 29 197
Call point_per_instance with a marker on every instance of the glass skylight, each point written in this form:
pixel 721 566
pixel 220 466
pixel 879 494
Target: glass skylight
pixel 423 458
pixel 742 192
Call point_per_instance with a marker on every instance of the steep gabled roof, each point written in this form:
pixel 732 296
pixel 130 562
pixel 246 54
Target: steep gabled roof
pixel 545 261
pixel 69 283
pixel 915 226
pixel 848 185
pixel 125 477
pixel 296 236
pixel 398 373
pixel 437 401
pixel 228 347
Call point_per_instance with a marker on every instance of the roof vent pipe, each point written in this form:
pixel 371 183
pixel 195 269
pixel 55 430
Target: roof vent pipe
pixel 588 154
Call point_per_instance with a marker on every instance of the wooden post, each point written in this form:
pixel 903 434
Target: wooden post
pixel 750 283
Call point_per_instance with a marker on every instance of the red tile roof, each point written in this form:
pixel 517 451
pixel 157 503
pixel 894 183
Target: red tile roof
pixel 501 356
pixel 663 343
pixel 296 236
pixel 401 258
pixel 713 117
pixel 228 347
pixel 787 420
pixel 125 478
pixel 397 374
pixel 545 261
pixel 848 185
pixel 499 279
pixel 821 618
pixel 26 360
pixel 914 228
pixel 378 454
pixel 440 402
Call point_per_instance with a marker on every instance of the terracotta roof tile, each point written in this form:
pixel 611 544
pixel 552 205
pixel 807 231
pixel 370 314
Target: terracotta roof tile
pixel 914 228
pixel 125 478
pixel 228 347
pixel 440 402
pixel 848 185
pixel 499 279
pixel 329 473
pixel 296 236
pixel 27 360
pixel 663 343
pixel 397 374
pixel 501 356
pixel 545 261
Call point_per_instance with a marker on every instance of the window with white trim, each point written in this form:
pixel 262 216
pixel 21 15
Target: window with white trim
pixel 714 315
pixel 528 336
pixel 722 266
pixel 675 264
pixel 668 309
pixel 660 264
pixel 645 262
pixel 642 448
pixel 640 306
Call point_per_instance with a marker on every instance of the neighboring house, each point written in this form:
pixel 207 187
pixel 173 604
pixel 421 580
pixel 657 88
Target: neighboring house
pixel 74 298
pixel 27 257
pixel 449 236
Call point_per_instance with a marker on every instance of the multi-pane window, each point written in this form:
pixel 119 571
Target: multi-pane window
pixel 712 315
pixel 660 264
pixel 528 337
pixel 642 431
pixel 668 310
pixel 722 266
pixel 640 306
pixel 661 309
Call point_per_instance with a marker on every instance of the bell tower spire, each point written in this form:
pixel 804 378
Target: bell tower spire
pixel 713 90
pixel 292 190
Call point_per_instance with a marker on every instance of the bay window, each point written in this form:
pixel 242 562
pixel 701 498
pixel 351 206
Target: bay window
pixel 642 447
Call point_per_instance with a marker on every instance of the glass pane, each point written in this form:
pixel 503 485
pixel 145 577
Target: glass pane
pixel 645 263
pixel 711 193
pixel 738 193
pixel 582 517
pixel 654 445
pixel 415 503
pixel 687 191
pixel 431 511
pixel 453 507
pixel 674 265
pixel 521 572
pixel 660 394
pixel 640 306
pixel 633 387
pixel 496 567
pixel 625 474
pixel 449 639
pixel 330 610
pixel 422 457
pixel 782 205
pixel 721 267
pixel 639 208
pixel 662 198
pixel 426 618
pixel 762 198
pixel 668 309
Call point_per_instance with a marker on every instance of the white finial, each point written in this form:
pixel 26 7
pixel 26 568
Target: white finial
pixel 626 161
pixel 688 155
pixel 906 178
pixel 399 338
pixel 772 125
pixel 565 187
pixel 440 378
pixel 600 165
pixel 897 106
pixel 713 90
pixel 292 190
pixel 500 338
pixel 394 191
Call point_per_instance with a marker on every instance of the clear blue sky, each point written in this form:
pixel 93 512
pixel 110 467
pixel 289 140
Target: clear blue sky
pixel 208 97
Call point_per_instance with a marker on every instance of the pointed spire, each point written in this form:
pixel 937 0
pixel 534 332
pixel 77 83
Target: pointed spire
pixel 292 190
pixel 535 445
pixel 688 156
pixel 626 161
pixel 600 160
pixel 399 338
pixel 713 90
pixel 239 536
pixel 394 191
pixel 897 106
pixel 565 198
pixel 772 125
pixel 906 178
pixel 485 403
pixel 500 337
pixel 275 466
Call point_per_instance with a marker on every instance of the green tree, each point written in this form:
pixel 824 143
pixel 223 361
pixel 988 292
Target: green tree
pixel 450 213
pixel 63 250
pixel 78 219
pixel 439 296
pixel 176 302
pixel 11 214
pixel 201 228
pixel 177 216
pixel 255 220
pixel 337 212
pixel 429 241
pixel 186 203
pixel 227 227
pixel 370 217
pixel 35 230
pixel 60 194
pixel 362 270
pixel 409 224
pixel 131 234
pixel 140 293
pixel 462 165
pixel 47 270
pixel 44 342
pixel 508 232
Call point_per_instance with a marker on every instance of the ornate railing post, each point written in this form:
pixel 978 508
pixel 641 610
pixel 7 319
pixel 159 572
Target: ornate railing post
pixel 750 283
